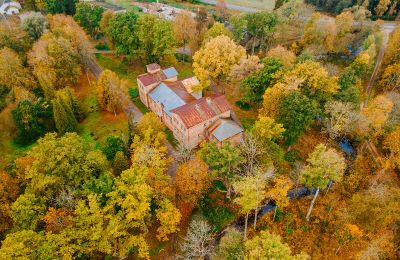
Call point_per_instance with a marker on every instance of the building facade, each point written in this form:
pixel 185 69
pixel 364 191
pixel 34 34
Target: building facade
pixel 191 117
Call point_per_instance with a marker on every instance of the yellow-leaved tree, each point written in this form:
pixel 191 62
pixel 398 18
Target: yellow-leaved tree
pixel 215 60
pixel 110 91
pixel 169 217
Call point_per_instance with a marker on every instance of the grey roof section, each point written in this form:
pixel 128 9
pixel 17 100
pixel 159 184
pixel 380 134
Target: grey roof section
pixel 170 72
pixel 226 129
pixel 164 95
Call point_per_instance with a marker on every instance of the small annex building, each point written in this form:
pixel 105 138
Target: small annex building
pixel 191 117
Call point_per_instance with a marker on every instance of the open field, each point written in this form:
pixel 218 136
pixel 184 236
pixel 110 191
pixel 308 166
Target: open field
pixel 257 4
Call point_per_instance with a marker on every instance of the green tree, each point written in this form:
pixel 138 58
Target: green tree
pixel 88 16
pixel 223 161
pixel 112 147
pixel 27 211
pixel 269 246
pixel 255 84
pixel 231 246
pixel 296 113
pixel 122 30
pixel 63 111
pixel 324 166
pixel 156 38
pixel 350 84
pixel 60 6
pixel 216 30
pixel 260 26
pixel 239 26
pixel 21 244
pixel 32 120
pixel 34 23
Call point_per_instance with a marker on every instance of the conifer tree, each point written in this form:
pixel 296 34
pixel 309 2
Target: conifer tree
pixel 64 117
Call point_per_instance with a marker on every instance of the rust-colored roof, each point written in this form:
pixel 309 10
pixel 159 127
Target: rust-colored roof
pixel 180 90
pixel 153 66
pixel 151 78
pixel 202 109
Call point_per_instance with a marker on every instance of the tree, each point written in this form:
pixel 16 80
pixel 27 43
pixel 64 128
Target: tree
pixel 60 6
pixel 255 84
pixel 88 16
pixel 324 166
pixel 64 117
pixel 105 20
pixel 250 191
pixel 340 120
pixel 269 246
pixel 223 161
pixel 260 26
pixel 110 91
pixel 120 163
pixel 231 246
pixel 217 29
pixel 271 99
pixel 184 28
pixel 392 143
pixel 286 57
pixel 198 240
pixel 57 219
pixel 382 7
pixel 392 51
pixel 61 162
pixel 12 72
pixel 122 30
pixel 31 120
pixel 246 66
pixel 192 179
pixel 296 113
pixel 350 87
pixel 390 79
pixel 169 217
pixel 278 192
pixel 14 37
pixel 150 120
pixel 215 59
pixel 9 190
pixel 112 147
pixel 55 63
pixel 22 244
pixel 27 211
pixel 34 23
pixel 156 38
pixel 239 26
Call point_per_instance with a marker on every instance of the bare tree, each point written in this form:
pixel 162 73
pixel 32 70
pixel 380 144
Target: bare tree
pixel 198 241
pixel 183 154
pixel 251 149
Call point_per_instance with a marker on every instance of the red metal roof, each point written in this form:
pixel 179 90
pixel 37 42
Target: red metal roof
pixel 202 110
pixel 181 91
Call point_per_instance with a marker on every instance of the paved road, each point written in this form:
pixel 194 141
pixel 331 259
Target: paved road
pixel 232 7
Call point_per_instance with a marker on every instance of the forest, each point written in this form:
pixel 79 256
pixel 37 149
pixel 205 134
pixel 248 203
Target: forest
pixel 88 172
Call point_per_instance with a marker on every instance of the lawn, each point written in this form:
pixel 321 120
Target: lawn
pixel 257 4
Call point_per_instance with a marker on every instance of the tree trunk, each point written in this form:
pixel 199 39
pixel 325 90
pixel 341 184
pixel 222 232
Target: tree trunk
pixel 255 218
pixel 312 205
pixel 253 46
pixel 245 226
pixel 276 208
pixel 329 187
pixel 228 192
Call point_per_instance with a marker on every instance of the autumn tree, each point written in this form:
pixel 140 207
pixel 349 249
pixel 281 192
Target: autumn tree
pixel 325 165
pixel 192 179
pixel 57 219
pixel 250 191
pixel 63 111
pixel 88 16
pixel 12 72
pixel 110 90
pixel 296 113
pixel 278 192
pixel 217 29
pixel 184 28
pixel 55 63
pixel 246 66
pixel 13 36
pixel 9 192
pixel 392 143
pixel 231 245
pixel 390 79
pixel 286 57
pixel 105 20
pixel 169 217
pixel 27 211
pixel 156 38
pixel 271 99
pixel 215 59
pixel 392 51
pixel 34 23
pixel 341 118
pixel 223 161
pixel 120 163
pixel 269 246
pixel 198 240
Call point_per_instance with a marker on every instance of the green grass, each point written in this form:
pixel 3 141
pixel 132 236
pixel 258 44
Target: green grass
pixel 257 4
pixel 171 139
pixel 247 123
pixel 155 250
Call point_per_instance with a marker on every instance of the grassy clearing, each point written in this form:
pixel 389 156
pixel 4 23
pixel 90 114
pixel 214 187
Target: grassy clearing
pixel 257 4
